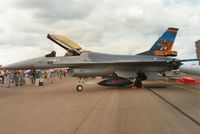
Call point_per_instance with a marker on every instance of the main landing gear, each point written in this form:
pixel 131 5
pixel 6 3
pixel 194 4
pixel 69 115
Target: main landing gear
pixel 138 83
pixel 140 77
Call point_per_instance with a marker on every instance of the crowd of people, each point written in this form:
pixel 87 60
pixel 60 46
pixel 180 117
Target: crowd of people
pixel 18 77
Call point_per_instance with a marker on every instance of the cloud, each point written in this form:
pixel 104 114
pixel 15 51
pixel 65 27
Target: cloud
pixel 53 11
pixel 175 2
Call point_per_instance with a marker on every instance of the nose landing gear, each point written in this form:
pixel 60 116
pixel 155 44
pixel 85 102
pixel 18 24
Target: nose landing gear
pixel 79 88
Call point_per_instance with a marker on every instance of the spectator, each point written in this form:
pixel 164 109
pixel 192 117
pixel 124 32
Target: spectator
pixel 50 75
pixel 33 76
pixel 21 78
pixel 16 78
pixel 2 76
pixel 8 79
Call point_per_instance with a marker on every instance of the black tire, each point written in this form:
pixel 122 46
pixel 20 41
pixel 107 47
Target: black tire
pixel 79 88
pixel 138 84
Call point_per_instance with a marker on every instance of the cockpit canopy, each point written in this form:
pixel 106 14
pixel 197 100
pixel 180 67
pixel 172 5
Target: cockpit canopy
pixel 73 49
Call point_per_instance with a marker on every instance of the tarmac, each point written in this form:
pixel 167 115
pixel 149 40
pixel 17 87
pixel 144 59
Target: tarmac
pixel 157 108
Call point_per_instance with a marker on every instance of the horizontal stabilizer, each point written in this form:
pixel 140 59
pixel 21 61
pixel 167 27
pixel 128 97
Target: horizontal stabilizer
pixel 189 60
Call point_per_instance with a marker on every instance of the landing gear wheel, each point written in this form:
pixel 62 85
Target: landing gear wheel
pixel 138 84
pixel 79 88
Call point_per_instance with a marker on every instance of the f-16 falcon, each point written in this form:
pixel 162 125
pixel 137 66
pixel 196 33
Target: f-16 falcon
pixel 119 70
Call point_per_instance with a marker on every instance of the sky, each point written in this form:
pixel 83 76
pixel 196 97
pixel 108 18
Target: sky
pixel 107 26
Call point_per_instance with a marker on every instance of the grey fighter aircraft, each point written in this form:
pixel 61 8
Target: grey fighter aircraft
pixel 119 70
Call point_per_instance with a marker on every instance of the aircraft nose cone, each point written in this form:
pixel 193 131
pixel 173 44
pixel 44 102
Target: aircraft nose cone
pixel 19 66
pixel 15 66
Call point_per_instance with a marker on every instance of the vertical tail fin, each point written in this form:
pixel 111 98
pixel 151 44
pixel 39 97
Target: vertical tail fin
pixel 163 46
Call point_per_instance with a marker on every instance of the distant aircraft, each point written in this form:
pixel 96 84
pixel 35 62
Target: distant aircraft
pixel 119 70
pixel 194 69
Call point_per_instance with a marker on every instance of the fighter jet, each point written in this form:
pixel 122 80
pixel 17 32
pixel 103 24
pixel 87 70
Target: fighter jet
pixel 120 70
